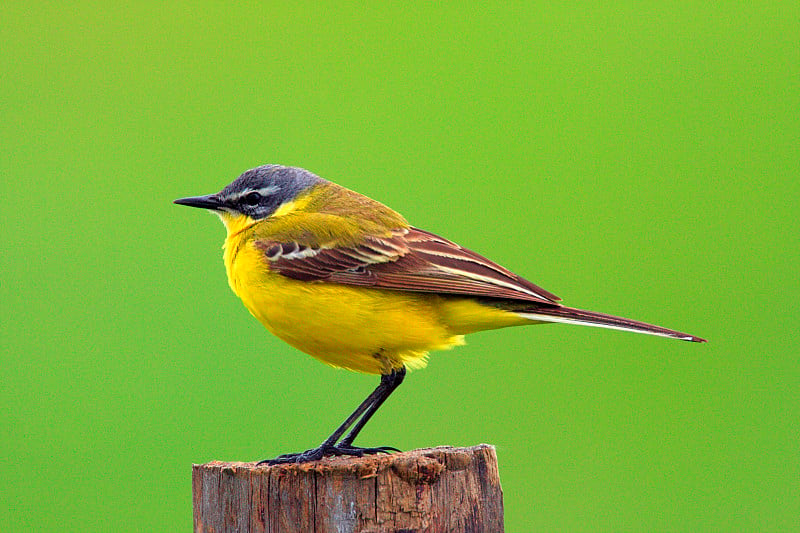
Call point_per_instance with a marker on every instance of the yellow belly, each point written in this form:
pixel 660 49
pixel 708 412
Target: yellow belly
pixel 367 330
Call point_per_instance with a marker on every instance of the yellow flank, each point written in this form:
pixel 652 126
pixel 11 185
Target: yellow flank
pixel 367 330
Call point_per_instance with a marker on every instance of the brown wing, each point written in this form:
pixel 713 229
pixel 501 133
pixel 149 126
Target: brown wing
pixel 409 260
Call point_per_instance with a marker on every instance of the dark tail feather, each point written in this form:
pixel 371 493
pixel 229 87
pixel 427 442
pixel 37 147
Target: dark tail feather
pixel 570 315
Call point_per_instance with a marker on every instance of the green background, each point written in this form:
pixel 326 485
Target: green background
pixel 640 159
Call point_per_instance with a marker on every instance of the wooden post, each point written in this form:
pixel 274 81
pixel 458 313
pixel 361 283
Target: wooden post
pixel 433 490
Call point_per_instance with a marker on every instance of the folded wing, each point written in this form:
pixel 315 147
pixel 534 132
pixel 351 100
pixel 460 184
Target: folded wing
pixel 409 260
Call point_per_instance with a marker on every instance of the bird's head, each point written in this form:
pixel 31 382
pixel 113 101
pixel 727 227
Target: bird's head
pixel 256 194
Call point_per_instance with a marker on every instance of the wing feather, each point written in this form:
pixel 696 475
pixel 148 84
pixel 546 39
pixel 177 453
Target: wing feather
pixel 409 260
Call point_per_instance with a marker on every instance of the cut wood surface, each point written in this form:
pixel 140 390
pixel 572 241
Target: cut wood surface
pixel 441 489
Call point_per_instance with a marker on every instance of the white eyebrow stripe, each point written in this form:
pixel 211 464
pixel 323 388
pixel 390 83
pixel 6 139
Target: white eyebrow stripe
pixel 263 191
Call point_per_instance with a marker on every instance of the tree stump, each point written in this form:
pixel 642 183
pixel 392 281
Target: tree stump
pixel 433 490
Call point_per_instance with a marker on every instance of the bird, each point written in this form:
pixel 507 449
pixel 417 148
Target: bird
pixel 349 281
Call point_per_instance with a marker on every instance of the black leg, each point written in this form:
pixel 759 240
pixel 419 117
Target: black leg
pixel 359 417
pixel 393 381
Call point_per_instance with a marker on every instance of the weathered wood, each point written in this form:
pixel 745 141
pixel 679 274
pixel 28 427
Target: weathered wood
pixel 430 490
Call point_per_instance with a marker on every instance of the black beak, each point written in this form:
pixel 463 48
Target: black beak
pixel 209 201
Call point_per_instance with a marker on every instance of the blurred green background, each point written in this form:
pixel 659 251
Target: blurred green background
pixel 639 159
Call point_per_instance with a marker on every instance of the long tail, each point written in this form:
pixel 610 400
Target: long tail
pixel 569 315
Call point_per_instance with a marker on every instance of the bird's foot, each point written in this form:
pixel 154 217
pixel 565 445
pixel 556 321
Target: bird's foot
pixel 316 454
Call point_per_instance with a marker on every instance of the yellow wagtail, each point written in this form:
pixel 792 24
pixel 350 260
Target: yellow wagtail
pixel 350 282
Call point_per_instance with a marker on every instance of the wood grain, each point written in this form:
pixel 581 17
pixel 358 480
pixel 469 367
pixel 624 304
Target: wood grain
pixel 432 490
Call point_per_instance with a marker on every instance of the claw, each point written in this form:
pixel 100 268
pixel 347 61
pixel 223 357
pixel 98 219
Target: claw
pixel 316 454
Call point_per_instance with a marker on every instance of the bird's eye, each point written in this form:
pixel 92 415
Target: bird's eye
pixel 252 198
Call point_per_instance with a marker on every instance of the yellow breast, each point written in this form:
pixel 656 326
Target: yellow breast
pixel 360 329
pixel 363 329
